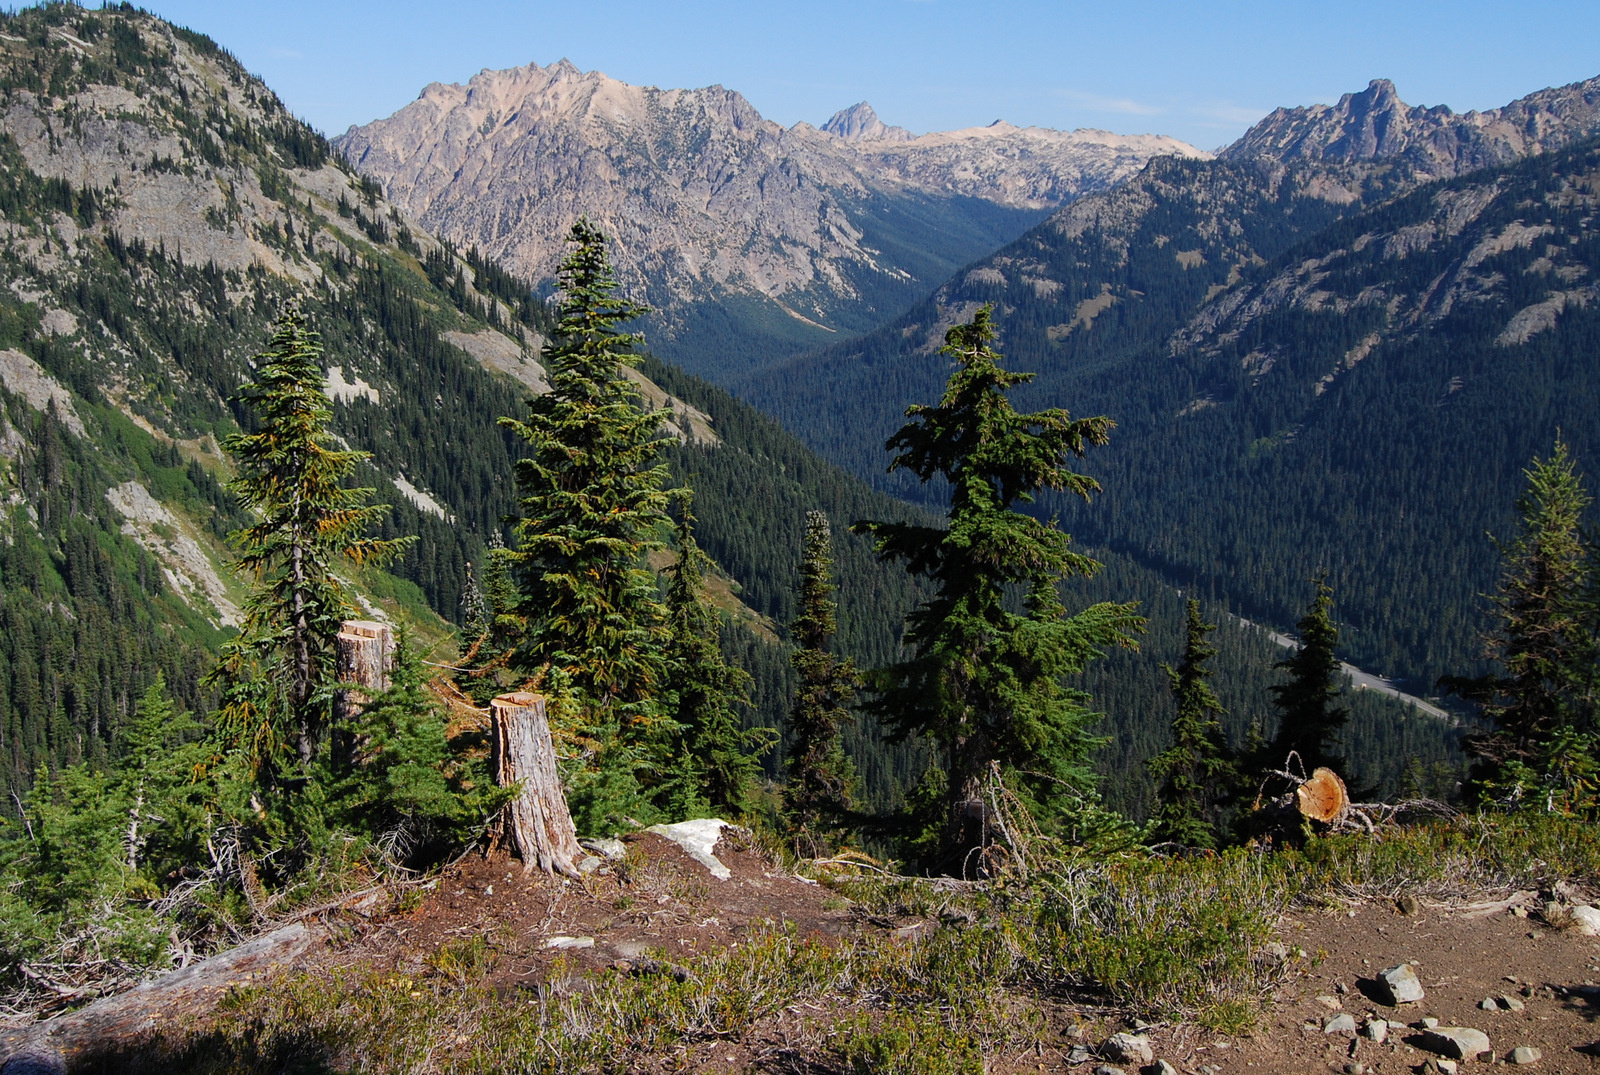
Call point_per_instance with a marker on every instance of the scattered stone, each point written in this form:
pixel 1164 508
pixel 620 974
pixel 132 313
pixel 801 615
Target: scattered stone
pixel 1585 921
pixel 1160 1067
pixel 590 863
pixel 1140 1026
pixel 1406 905
pixel 569 942
pixel 1107 1069
pixel 1519 912
pixel 1428 1022
pixel 1524 1054
pixel 1275 950
pixel 1343 1023
pixel 1355 1067
pixel 1376 1030
pixel 1128 1049
pixel 1400 984
pixel 1080 1054
pixel 1456 1042
pixel 1489 1004
pixel 1511 1003
pixel 1331 1003
pixel 1340 988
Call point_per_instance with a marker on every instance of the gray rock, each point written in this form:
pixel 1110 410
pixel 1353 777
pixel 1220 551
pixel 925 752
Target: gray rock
pixel 1330 1002
pixel 1456 1042
pixel 1511 1003
pixel 1399 984
pixel 1343 1023
pixel 1524 1054
pixel 1376 1030
pixel 1427 1022
pixel 1080 1054
pixel 1128 1049
pixel 605 846
pixel 1160 1067
pixel 1107 1069
pixel 568 942
pixel 35 1060
pixel 1585 920
pixel 1354 1067
pixel 1489 1004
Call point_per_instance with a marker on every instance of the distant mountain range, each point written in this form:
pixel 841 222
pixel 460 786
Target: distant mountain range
pixel 752 240
pixel 1319 353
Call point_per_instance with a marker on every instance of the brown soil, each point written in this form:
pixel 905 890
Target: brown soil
pixel 660 899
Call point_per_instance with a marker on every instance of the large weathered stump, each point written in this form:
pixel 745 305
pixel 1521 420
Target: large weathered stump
pixel 537 823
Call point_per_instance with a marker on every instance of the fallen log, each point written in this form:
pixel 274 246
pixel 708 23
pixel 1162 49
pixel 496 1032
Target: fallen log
pixel 115 1022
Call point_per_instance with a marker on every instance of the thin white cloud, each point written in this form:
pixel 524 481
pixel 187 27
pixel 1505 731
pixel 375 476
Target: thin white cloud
pixel 1121 105
pixel 285 54
pixel 1226 112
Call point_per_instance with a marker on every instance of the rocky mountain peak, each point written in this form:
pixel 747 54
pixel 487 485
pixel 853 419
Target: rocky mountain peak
pixel 859 123
pixel 1375 124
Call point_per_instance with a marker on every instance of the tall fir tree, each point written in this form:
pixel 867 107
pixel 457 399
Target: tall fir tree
pixel 1196 772
pixel 279 671
pixel 819 792
pixel 591 504
pixel 1309 721
pixel 1545 700
pixel 991 651
pixel 718 766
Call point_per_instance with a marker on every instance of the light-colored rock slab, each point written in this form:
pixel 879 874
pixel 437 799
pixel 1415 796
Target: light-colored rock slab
pixel 1456 1042
pixel 1401 985
pixel 698 838
pixel 25 377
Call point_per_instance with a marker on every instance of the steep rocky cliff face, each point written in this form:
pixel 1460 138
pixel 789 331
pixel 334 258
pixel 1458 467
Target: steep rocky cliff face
pixel 797 233
pixel 1432 143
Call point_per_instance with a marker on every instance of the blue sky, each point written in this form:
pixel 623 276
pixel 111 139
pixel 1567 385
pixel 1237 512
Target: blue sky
pixel 1202 72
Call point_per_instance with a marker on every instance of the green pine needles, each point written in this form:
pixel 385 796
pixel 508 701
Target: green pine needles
pixel 716 754
pixel 1196 771
pixel 1309 721
pixel 279 671
pixel 822 779
pixel 992 650
pixel 591 506
pixel 1545 700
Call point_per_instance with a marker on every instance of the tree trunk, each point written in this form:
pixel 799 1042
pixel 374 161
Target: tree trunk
pixel 537 822
pixel 366 657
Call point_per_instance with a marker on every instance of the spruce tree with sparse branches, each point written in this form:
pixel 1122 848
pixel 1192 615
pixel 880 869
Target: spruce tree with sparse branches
pixel 821 778
pixel 591 500
pixel 992 649
pixel 717 756
pixel 279 671
pixel 1195 772
pixel 1309 721
pixel 1545 700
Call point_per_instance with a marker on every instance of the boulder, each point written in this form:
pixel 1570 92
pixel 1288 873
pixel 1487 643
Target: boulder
pixel 1376 1030
pixel 1456 1042
pixel 1585 920
pixel 1399 985
pixel 1343 1023
pixel 1524 1054
pixel 1128 1049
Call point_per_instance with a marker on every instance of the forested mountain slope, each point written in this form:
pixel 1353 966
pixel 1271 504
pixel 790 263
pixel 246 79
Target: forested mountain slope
pixel 1126 302
pixel 752 240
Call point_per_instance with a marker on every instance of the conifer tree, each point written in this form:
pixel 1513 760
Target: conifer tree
pixel 1546 640
pixel 591 497
pixel 985 682
pixel 821 777
pixel 590 502
pixel 279 670
pixel 1308 720
pixel 717 755
pixel 1195 772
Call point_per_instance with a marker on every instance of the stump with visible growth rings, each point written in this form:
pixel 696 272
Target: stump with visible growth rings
pixel 537 824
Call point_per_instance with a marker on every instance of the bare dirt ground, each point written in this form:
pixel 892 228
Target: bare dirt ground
pixel 657 904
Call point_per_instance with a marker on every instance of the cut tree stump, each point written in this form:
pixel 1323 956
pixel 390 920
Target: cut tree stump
pixel 537 823
pixel 366 657
pixel 1323 797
